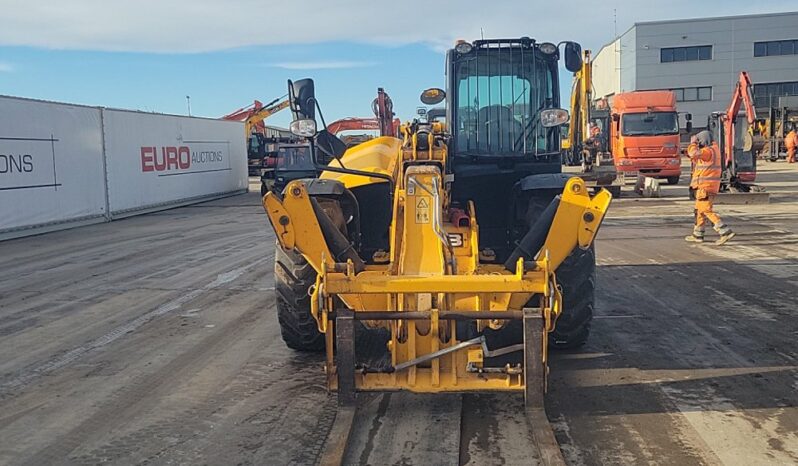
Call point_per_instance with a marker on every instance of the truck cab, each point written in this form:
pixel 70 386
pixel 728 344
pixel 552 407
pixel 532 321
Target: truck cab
pixel 645 134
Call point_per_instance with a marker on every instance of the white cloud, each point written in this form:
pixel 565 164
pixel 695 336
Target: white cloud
pixel 186 26
pixel 6 67
pixel 322 65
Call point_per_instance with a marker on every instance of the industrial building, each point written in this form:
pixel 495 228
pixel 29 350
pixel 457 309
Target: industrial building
pixel 700 60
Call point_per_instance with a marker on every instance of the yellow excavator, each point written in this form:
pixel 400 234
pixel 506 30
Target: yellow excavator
pixel 260 154
pixel 587 151
pixel 450 258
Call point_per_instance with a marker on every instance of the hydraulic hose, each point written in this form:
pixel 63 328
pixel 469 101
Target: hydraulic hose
pixel 339 245
pixel 535 237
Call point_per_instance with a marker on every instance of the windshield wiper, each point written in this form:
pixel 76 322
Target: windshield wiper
pixel 529 128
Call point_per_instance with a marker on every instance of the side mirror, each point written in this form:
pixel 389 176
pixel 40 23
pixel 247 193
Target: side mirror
pixel 302 99
pixel 329 145
pixel 616 117
pixel 573 57
pixel 689 126
pixel 688 116
pixel 433 96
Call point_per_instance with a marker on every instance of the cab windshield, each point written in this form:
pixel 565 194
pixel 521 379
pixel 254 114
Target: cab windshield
pixel 649 124
pixel 499 95
pixel 295 158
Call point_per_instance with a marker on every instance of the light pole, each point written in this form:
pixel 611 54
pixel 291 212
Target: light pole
pixel 188 104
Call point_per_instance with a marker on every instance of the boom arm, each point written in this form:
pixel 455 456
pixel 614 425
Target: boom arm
pixel 581 96
pixel 742 96
pixel 366 124
pixel 258 117
pixel 383 109
pixel 383 120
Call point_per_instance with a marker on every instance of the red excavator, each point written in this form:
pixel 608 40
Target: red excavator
pixel 737 139
pixel 383 121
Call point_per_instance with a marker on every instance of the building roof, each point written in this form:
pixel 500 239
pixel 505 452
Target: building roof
pixel 713 18
pixel 694 20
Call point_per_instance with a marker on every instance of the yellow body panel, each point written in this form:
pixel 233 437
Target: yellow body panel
pixel 377 155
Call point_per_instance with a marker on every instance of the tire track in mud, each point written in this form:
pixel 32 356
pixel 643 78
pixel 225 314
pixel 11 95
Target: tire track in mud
pixel 133 401
pixel 31 373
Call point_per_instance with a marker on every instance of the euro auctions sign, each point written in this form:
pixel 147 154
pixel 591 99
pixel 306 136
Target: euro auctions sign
pixel 195 157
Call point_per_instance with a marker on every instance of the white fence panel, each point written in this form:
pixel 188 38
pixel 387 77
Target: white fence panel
pixel 155 160
pixel 51 165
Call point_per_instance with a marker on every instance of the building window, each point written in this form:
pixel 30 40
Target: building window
pixel 767 95
pixel 776 48
pixel 694 53
pixel 693 94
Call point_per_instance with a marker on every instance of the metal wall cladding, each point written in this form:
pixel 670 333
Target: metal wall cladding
pixel 62 164
pixel 51 164
pixel 155 159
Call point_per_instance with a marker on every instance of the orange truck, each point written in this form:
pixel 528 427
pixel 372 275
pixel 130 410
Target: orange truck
pixel 645 134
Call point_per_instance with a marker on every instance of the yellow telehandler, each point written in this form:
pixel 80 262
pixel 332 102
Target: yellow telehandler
pixel 448 259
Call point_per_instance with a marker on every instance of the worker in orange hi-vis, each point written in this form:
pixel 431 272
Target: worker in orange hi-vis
pixel 706 182
pixel 791 142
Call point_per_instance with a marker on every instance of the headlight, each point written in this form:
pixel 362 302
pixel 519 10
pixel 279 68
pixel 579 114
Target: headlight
pixel 463 47
pixel 674 162
pixel 548 48
pixel 304 128
pixel 553 117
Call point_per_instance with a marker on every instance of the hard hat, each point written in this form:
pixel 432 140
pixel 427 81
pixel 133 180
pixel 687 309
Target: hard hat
pixel 704 138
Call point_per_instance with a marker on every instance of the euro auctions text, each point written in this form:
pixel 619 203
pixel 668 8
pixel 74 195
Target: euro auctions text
pixel 177 158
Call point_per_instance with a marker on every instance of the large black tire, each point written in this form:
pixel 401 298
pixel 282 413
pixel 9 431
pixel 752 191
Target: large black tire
pixel 673 179
pixel 293 276
pixel 577 276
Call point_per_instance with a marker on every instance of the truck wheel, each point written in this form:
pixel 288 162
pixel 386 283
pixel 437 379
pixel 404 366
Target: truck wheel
pixel 615 191
pixel 577 276
pixel 673 180
pixel 263 189
pixel 293 276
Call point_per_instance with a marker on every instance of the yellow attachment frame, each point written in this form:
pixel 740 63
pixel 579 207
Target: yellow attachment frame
pixel 429 284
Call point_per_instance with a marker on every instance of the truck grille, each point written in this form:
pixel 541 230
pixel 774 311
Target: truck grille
pixel 650 150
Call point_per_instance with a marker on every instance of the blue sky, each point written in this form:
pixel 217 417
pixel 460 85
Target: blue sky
pixel 150 54
pixel 347 76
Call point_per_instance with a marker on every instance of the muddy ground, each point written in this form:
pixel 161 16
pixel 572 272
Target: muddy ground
pixel 154 340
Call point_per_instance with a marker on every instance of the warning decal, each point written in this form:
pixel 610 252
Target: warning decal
pixel 422 210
